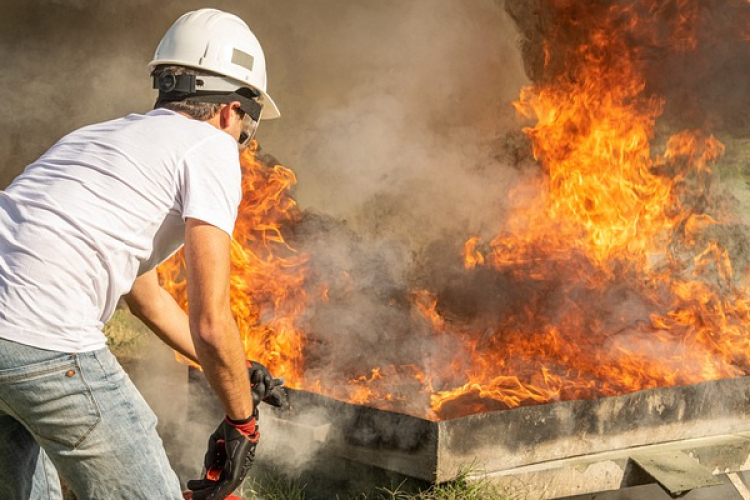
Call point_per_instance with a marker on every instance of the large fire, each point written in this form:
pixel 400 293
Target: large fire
pixel 619 282
pixel 267 276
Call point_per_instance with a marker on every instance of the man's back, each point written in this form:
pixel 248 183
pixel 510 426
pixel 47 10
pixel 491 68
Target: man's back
pixel 103 205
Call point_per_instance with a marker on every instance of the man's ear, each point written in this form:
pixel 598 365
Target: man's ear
pixel 225 116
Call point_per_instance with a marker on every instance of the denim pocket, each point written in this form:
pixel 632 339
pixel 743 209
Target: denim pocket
pixel 52 399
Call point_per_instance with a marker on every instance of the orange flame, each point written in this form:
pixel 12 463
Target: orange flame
pixel 616 284
pixel 472 257
pixel 614 216
pixel 267 276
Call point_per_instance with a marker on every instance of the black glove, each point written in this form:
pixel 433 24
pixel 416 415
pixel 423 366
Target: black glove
pixel 231 452
pixel 264 387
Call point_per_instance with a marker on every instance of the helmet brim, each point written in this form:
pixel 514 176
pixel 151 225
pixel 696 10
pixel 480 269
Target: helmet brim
pixel 270 110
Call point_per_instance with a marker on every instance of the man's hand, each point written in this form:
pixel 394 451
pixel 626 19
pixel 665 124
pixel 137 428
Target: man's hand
pixel 264 387
pixel 231 452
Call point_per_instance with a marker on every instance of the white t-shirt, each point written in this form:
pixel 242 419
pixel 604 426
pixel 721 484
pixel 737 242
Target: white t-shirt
pixel 105 204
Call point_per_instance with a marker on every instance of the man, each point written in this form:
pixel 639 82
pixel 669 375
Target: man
pixel 86 224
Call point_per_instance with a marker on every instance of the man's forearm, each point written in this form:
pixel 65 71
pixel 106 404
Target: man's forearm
pixel 215 347
pixel 222 356
pixel 168 322
pixel 217 341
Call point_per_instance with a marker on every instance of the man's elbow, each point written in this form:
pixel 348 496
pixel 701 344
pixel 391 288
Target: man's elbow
pixel 211 328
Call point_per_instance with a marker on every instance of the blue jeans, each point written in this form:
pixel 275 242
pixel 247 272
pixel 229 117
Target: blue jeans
pixel 81 416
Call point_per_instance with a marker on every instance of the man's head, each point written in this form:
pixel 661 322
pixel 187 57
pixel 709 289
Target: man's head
pixel 208 60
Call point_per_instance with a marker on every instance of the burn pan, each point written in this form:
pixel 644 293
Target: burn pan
pixel 440 451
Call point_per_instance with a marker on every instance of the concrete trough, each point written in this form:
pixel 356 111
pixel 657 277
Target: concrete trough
pixel 498 441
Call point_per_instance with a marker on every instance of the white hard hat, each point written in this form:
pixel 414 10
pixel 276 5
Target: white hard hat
pixel 216 41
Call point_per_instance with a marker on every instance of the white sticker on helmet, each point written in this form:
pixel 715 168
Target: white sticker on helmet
pixel 243 59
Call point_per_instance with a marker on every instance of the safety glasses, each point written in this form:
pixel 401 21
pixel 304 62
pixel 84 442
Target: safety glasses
pixel 249 127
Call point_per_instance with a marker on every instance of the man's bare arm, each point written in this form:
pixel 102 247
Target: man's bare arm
pixel 214 332
pixel 160 312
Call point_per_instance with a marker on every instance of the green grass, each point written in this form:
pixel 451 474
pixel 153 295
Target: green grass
pixel 125 334
pixel 277 488
pixel 460 489
pixel 272 487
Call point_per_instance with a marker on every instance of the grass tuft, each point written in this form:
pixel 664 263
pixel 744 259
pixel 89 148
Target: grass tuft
pixel 461 488
pixel 272 487
pixel 125 334
pixel 275 487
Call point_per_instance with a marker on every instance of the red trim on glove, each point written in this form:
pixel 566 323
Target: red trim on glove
pixel 246 428
pixel 188 495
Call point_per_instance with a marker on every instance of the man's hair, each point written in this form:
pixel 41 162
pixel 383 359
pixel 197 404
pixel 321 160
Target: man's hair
pixel 199 110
